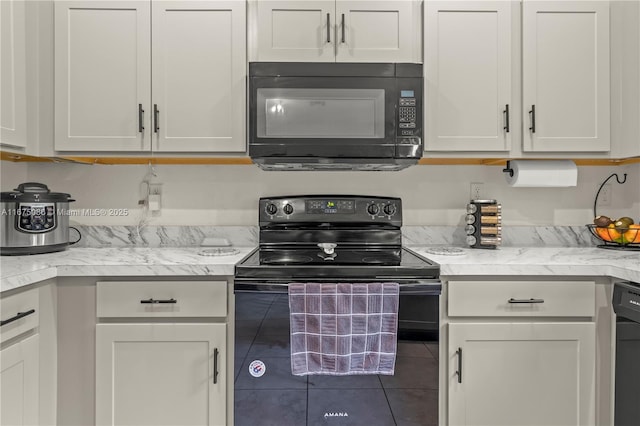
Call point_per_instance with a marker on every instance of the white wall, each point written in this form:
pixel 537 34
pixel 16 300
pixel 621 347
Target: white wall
pixel 227 195
pixel 12 174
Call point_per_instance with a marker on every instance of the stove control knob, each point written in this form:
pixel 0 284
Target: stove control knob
pixel 373 209
pixel 288 209
pixel 390 209
pixel 271 209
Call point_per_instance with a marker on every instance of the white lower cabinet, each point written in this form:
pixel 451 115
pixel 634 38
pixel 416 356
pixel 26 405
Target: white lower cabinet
pixel 515 374
pixel 521 352
pixel 19 383
pixel 161 353
pixel 160 374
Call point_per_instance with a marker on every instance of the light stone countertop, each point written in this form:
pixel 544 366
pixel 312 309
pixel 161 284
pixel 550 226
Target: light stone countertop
pixel 18 271
pixel 544 261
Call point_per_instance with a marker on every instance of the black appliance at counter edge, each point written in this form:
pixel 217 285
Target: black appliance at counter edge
pixel 335 116
pixel 626 304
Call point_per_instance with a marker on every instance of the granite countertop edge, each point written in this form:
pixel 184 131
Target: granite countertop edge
pixel 20 271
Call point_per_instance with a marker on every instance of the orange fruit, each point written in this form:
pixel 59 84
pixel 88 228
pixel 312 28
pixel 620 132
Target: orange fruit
pixel 603 233
pixel 632 235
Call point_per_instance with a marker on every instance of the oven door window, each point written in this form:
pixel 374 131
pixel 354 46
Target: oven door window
pixel 320 113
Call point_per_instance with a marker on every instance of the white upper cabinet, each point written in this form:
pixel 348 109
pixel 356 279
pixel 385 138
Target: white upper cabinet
pixel 102 75
pixel 106 98
pixel 625 78
pixel 377 31
pixel 13 97
pixel 565 74
pixel 468 76
pixel 198 82
pixel 295 31
pixel 340 30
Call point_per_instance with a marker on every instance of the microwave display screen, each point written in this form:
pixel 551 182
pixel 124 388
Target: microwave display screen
pixel 407 94
pixel 320 113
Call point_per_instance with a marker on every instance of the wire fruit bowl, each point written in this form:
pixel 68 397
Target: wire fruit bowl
pixel 616 238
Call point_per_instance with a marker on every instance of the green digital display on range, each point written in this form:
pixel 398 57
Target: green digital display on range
pixel 330 206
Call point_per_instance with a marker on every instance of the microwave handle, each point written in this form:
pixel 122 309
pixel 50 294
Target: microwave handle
pixel 342 40
pixel 328 28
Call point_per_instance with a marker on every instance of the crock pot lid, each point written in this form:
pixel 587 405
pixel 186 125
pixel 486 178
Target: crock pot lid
pixel 35 191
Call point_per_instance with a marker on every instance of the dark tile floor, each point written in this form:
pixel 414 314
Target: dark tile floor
pixel 408 398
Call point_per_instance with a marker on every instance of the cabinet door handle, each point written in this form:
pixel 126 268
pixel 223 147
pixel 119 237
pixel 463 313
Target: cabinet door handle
pixel 459 371
pixel 215 366
pixel 532 113
pixel 140 118
pixel 17 317
pixel 342 40
pixel 328 28
pixel 156 118
pixel 512 300
pixel 506 118
pixel 154 301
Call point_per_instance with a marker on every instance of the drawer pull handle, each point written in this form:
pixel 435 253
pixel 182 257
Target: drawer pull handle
pixel 17 317
pixel 154 301
pixel 512 300
pixel 459 371
pixel 215 366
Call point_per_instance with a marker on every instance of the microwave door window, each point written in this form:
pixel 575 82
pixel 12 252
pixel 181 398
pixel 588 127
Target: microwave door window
pixel 320 113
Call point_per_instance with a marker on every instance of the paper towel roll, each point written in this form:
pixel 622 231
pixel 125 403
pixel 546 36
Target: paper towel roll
pixel 542 173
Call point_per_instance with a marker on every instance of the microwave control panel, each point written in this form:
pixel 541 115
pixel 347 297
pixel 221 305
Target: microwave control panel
pixel 407 113
pixel 36 218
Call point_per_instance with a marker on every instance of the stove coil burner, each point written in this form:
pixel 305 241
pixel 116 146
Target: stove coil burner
pixel 287 259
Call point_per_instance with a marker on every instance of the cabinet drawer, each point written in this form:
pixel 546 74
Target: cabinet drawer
pixel 162 299
pixel 19 313
pixel 521 298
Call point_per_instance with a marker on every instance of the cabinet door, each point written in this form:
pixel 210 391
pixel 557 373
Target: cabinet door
pixel 19 385
pixel 199 76
pixel 160 374
pixel 296 30
pixel 13 95
pixel 521 374
pixel 102 75
pixel 468 76
pixel 378 31
pixel 565 67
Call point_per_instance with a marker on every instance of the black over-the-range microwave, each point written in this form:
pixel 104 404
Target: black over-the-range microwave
pixel 335 116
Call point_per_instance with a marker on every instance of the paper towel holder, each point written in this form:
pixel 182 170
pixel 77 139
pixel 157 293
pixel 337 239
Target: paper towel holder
pixel 508 169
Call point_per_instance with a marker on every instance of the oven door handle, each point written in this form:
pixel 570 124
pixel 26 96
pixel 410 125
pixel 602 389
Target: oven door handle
pixel 417 288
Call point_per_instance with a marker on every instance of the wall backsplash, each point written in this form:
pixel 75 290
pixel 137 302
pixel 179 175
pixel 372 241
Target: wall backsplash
pixel 227 195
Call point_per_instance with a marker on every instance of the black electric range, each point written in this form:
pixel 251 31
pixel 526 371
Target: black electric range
pixel 336 238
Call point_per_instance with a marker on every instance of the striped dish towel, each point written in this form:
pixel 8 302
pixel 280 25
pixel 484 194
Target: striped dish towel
pixel 343 329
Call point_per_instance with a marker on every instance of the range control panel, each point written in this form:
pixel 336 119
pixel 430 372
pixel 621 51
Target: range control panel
pixel 328 209
pixel 36 217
